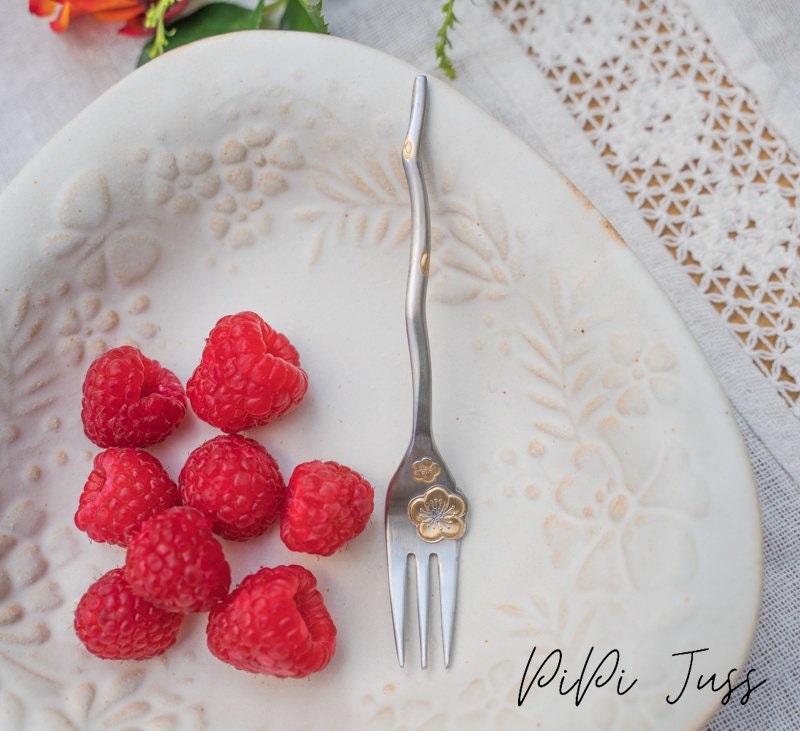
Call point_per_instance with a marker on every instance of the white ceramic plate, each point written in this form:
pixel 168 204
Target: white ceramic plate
pixel 613 506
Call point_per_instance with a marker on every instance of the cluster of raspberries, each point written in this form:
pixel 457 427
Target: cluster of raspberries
pixel 275 621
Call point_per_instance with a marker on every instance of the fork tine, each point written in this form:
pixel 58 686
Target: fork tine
pixel 448 573
pixel 423 593
pixel 397 593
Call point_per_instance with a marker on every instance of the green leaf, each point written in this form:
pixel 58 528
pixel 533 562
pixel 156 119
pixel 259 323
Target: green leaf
pixel 304 15
pixel 443 39
pixel 210 20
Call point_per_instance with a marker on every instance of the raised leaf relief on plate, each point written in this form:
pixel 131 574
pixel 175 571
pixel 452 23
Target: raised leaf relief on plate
pixel 589 474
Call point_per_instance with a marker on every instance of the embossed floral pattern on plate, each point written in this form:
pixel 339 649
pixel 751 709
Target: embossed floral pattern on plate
pixel 576 408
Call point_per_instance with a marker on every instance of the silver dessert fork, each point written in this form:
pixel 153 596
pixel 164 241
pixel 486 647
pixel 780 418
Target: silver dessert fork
pixel 425 511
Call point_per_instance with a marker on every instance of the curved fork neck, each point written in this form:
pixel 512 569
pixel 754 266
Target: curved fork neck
pixel 419 264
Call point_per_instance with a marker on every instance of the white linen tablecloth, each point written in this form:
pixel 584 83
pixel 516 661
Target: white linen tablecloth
pixel 678 119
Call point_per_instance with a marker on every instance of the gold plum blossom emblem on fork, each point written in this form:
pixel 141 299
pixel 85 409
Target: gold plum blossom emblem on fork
pixel 425 470
pixel 438 514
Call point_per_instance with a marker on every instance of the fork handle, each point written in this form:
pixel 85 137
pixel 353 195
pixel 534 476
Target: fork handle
pixel 419 265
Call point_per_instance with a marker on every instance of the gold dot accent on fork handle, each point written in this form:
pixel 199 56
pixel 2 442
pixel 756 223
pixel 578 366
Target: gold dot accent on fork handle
pixel 425 263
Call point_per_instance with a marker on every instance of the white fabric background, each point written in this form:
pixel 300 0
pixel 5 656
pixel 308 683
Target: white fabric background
pixel 45 80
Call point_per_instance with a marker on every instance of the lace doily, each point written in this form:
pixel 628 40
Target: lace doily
pixel 640 75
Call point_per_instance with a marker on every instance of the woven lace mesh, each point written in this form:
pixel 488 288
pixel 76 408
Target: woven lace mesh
pixel 639 75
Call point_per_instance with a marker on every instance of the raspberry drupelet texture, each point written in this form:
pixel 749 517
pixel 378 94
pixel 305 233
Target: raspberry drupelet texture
pixel 116 624
pixel 237 482
pixel 326 505
pixel 125 487
pixel 130 400
pixel 275 623
pixel 176 563
pixel 248 375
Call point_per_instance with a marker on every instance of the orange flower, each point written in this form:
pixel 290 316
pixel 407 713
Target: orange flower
pixel 129 12
pixel 108 11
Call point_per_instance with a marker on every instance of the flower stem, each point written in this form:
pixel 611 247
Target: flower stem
pixel 443 40
pixel 154 18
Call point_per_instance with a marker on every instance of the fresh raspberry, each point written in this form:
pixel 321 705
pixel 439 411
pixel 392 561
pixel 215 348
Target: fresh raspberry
pixel 114 623
pixel 326 505
pixel 175 562
pixel 236 482
pixel 275 622
pixel 126 487
pixel 130 400
pixel 249 375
